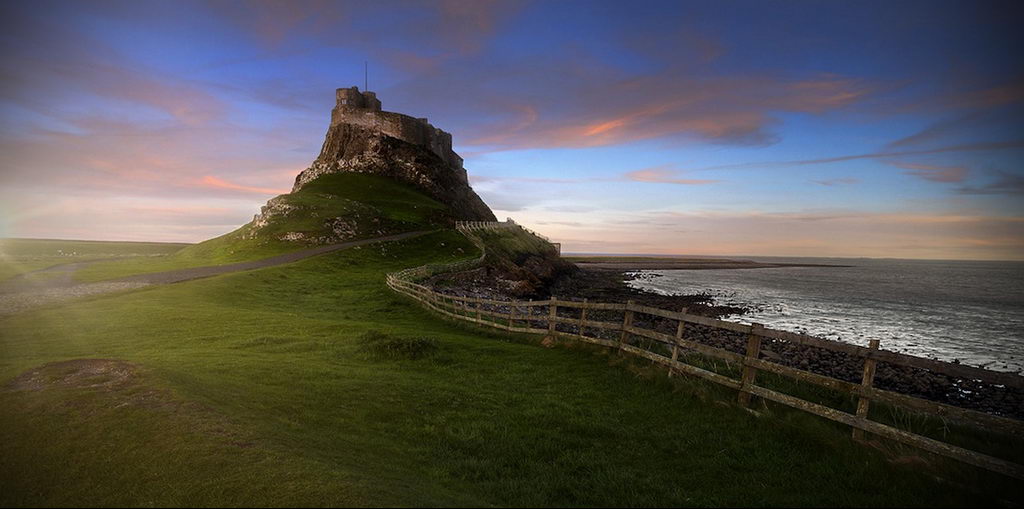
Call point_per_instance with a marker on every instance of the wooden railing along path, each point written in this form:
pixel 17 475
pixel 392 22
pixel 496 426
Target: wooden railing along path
pixel 543 317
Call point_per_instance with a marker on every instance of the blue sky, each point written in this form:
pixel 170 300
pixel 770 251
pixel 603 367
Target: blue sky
pixel 887 129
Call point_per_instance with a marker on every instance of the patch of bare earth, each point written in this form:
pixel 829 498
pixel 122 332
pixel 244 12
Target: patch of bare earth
pixel 101 386
pixel 101 374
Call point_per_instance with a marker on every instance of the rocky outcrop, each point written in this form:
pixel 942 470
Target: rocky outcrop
pixel 366 140
pixel 354 148
pixel 280 216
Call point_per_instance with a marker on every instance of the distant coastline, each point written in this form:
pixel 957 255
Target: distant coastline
pixel 628 263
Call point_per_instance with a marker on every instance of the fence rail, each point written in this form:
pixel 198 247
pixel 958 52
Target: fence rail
pixel 542 317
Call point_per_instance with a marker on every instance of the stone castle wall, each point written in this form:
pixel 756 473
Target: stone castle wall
pixel 363 109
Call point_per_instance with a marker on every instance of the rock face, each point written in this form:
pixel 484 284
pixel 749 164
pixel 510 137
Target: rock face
pixel 364 139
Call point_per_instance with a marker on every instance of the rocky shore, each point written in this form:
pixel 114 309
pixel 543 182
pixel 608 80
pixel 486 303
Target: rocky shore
pixel 610 286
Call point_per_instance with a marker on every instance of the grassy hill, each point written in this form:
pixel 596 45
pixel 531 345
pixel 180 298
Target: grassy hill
pixel 313 384
pixel 517 263
pixel 18 256
pixel 368 205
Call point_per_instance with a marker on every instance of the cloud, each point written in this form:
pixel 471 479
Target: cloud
pixel 69 216
pixel 837 181
pixel 485 179
pixel 664 174
pixel 466 26
pixel 842 233
pixel 989 123
pixel 940 130
pixel 563 96
pixel 972 96
pixel 1006 183
pixel 596 107
pixel 570 208
pixel 70 71
pixel 933 172
pixel 683 45
pixel 211 181
pixel 434 30
pixel 965 147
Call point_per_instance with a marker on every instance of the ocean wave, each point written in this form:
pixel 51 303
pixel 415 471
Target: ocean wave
pixel 849 307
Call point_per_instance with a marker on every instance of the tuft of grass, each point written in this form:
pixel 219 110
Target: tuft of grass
pixel 378 345
pixel 514 245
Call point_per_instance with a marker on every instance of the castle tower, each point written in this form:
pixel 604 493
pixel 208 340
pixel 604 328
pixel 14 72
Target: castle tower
pixel 352 98
pixel 363 109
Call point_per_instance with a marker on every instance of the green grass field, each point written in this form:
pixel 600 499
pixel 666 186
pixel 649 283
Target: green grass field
pixel 313 384
pixel 18 256
pixel 374 205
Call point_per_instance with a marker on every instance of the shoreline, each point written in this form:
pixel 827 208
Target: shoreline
pixel 611 263
pixel 610 285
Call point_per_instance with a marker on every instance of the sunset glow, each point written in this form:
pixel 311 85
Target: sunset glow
pixel 868 129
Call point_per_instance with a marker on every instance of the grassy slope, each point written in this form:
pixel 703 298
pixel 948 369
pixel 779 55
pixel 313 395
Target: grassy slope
pixel 18 256
pixel 379 206
pixel 514 244
pixel 287 410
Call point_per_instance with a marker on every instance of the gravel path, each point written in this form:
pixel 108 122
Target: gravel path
pixel 56 284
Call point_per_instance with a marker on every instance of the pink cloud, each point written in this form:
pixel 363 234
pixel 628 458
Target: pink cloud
pixel 663 175
pixel 933 172
pixel 590 113
pixel 211 181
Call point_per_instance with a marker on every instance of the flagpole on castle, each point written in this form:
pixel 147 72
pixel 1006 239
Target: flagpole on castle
pixel 366 76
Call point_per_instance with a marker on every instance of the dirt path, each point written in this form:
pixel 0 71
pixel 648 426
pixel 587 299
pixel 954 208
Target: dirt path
pixel 56 284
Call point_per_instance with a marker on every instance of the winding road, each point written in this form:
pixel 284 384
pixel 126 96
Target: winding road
pixel 56 284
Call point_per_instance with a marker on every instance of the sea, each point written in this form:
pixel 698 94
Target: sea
pixel 966 311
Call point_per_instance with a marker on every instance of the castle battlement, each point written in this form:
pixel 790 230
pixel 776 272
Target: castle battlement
pixel 364 109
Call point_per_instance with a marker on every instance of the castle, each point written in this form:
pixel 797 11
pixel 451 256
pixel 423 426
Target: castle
pixel 363 109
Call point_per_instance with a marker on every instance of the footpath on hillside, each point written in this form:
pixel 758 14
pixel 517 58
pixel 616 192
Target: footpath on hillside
pixel 57 284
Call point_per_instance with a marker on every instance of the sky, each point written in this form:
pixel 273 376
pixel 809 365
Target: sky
pixel 849 129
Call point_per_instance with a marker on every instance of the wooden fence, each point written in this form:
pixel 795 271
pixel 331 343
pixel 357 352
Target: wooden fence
pixel 553 317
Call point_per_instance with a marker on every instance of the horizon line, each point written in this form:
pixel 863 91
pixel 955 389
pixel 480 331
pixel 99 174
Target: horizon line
pixel 591 253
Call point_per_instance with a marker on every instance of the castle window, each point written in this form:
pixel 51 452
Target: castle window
pixel 344 101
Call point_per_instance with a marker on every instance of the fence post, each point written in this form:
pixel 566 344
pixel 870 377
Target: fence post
pixel 479 316
pixel 552 313
pixel 627 322
pixel 867 381
pixel 675 346
pixel 583 317
pixel 511 314
pixel 749 372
